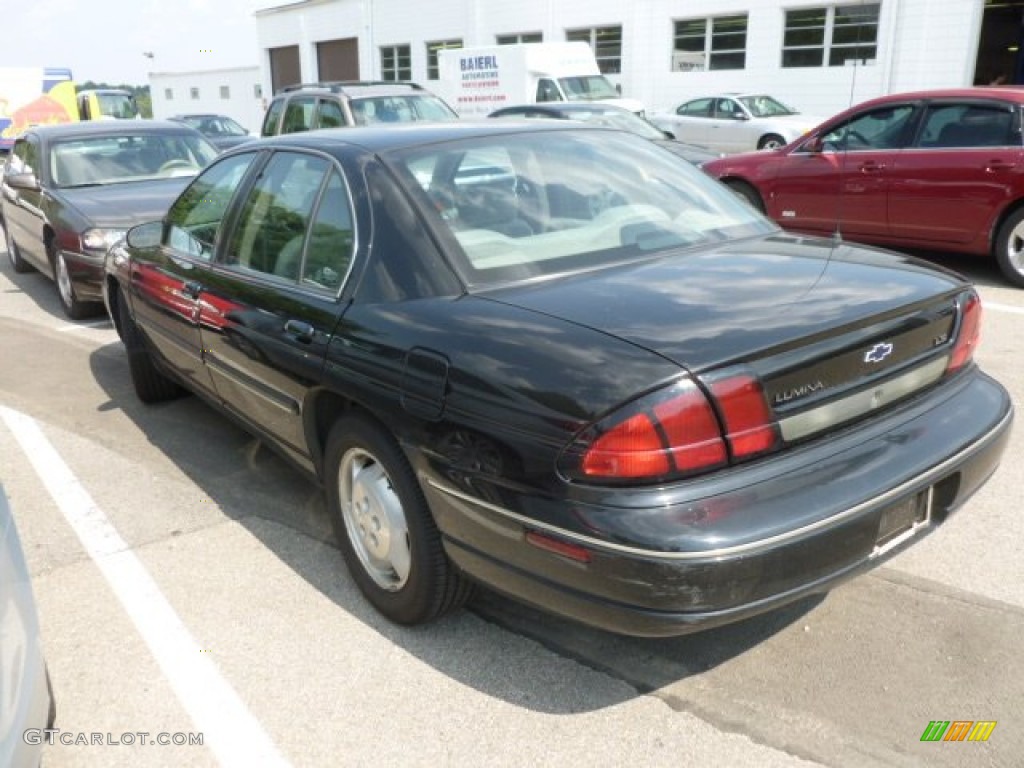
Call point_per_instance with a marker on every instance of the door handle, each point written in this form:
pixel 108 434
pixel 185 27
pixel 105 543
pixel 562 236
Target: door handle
pixel 995 166
pixel 191 289
pixel 872 167
pixel 300 330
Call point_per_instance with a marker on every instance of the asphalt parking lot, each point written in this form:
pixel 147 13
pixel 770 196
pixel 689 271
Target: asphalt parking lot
pixel 188 583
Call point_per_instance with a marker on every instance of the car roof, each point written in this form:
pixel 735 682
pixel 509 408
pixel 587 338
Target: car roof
pixel 109 128
pixel 1001 93
pixel 987 92
pixel 414 134
pixel 355 88
pixel 562 107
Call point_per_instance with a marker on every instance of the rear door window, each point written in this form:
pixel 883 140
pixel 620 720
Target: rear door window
pixel 272 223
pixel 696 108
pixel 298 115
pixel 330 115
pixel 331 242
pixel 948 126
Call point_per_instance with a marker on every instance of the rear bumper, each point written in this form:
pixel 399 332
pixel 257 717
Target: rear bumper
pixel 754 538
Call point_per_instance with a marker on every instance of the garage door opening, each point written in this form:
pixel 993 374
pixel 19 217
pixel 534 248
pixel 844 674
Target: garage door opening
pixel 999 49
pixel 338 59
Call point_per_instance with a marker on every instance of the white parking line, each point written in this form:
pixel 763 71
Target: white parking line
pixel 1002 307
pixel 70 328
pixel 229 729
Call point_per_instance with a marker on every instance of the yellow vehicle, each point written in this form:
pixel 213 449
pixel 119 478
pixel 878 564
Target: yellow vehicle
pixel 106 104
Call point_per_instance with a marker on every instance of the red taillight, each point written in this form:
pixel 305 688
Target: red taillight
pixel 630 449
pixel 691 428
pixel 675 432
pixel 748 423
pixel 969 335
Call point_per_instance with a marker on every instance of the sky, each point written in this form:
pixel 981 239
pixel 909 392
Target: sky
pixel 105 40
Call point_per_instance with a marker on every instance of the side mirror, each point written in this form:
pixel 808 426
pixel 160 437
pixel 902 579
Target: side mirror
pixel 815 145
pixel 22 181
pixel 145 235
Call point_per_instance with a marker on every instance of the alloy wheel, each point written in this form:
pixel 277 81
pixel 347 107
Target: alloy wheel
pixel 64 281
pixel 374 519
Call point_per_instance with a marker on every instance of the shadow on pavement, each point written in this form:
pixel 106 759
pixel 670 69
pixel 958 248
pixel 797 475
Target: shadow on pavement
pixel 253 485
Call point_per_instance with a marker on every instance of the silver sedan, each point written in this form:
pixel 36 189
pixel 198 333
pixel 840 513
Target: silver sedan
pixel 735 122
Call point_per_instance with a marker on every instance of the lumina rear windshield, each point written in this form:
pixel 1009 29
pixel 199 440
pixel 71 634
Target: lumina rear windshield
pixel 519 206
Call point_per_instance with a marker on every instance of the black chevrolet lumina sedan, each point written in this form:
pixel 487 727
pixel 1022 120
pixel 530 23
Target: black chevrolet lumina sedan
pixel 70 191
pixel 562 362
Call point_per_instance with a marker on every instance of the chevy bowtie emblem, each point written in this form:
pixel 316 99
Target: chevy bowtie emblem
pixel 878 353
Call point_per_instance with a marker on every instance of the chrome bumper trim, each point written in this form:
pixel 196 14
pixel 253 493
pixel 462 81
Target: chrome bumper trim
pixel 860 403
pixel 922 480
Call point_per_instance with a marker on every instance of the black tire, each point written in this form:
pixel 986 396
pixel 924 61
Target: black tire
pixel 70 303
pixel 17 263
pixel 1009 248
pixel 151 386
pixel 384 528
pixel 771 141
pixel 747 192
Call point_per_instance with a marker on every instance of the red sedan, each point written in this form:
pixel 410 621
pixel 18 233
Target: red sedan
pixel 938 170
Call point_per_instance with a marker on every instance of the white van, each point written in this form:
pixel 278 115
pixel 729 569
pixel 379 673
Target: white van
pixel 477 81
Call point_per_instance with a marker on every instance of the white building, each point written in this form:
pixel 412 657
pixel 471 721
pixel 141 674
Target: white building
pixel 818 55
pixel 236 92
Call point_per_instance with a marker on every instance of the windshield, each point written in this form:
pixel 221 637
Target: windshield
pixel 120 105
pixel 527 205
pixel 766 106
pixel 215 125
pixel 400 109
pixel 619 119
pixel 100 160
pixel 587 88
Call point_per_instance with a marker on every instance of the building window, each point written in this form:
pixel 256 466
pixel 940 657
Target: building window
pixel 432 49
pixel 522 37
pixel 838 35
pixel 169 94
pixel 395 63
pixel 716 43
pixel 606 43
pixel 193 92
pixel 225 92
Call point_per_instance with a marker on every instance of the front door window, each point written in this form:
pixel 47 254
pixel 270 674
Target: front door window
pixel 194 221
